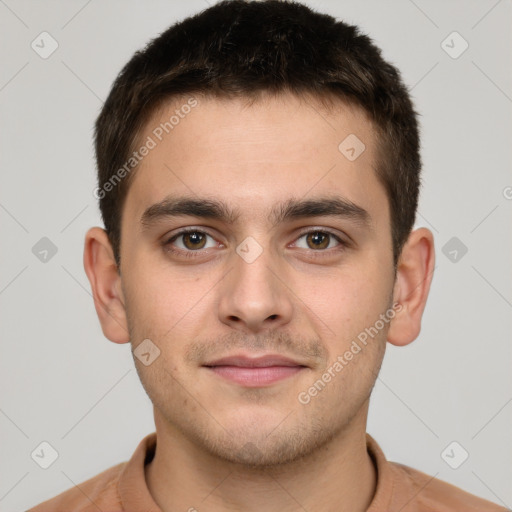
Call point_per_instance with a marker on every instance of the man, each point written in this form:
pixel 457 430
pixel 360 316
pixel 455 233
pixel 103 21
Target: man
pixel 259 170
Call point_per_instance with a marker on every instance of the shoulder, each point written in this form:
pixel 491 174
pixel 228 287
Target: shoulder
pixel 98 493
pixel 416 491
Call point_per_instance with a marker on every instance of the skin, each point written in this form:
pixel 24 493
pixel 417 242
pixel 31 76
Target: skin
pixel 223 446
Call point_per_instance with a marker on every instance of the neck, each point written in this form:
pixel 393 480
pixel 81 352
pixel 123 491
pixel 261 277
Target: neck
pixel 340 476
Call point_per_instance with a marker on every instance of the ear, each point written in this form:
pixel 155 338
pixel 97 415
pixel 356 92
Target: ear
pixel 101 269
pixel 414 274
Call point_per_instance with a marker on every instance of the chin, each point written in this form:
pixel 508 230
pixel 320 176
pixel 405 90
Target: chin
pixel 265 444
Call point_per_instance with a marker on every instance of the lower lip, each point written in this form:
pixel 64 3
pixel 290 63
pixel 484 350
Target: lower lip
pixel 255 377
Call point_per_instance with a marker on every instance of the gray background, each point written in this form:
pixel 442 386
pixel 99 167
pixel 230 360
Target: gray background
pixel 64 383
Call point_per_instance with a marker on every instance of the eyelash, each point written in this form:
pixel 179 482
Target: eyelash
pixel 194 254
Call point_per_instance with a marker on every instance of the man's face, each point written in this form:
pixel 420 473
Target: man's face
pixel 302 287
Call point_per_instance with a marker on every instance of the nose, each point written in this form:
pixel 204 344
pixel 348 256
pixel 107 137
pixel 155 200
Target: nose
pixel 254 295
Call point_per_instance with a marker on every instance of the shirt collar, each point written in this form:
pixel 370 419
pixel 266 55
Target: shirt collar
pixel 135 495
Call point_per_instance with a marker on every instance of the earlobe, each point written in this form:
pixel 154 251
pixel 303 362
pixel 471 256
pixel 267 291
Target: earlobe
pixel 101 269
pixel 414 274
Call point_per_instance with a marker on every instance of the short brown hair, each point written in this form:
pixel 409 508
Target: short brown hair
pixel 242 48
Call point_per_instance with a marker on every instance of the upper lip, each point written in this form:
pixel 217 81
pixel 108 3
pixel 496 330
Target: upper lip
pixel 254 362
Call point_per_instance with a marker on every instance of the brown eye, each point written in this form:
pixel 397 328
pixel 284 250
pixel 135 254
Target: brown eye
pixel 318 240
pixel 189 241
pixel 194 240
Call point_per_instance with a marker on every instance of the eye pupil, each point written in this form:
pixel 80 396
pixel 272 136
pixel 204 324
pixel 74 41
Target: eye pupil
pixel 195 238
pixel 318 238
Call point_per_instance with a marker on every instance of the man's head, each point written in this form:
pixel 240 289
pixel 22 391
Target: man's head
pixel 265 219
pixel 245 49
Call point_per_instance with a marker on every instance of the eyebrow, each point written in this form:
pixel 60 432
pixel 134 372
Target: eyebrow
pixel 292 209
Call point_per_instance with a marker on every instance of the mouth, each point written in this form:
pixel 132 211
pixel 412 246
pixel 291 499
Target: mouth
pixel 255 371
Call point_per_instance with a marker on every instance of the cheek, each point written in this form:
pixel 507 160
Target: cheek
pixel 161 381
pixel 347 299
pixel 152 304
pixel 165 307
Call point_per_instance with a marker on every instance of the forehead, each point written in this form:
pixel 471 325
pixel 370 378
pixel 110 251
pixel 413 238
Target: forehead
pixel 255 156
